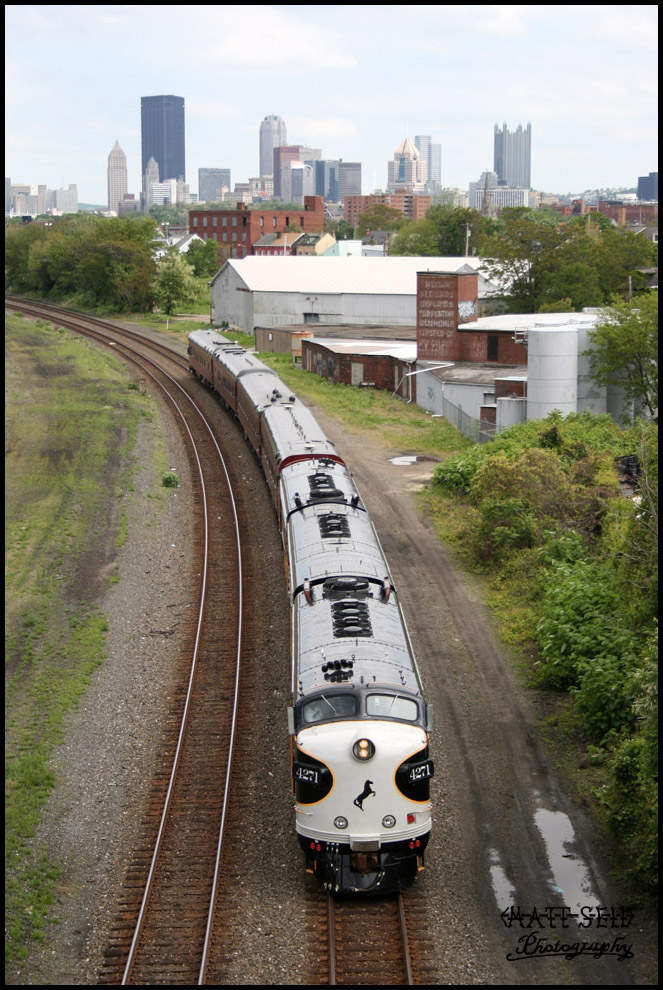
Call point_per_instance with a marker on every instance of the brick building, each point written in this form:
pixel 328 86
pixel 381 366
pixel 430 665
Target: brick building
pixel 447 306
pixel 623 213
pixel 378 364
pixel 411 205
pixel 238 230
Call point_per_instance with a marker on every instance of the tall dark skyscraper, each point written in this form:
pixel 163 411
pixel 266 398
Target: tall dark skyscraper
pixel 162 135
pixel 513 156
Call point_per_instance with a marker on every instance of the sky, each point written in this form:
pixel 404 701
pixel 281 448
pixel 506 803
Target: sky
pixel 351 80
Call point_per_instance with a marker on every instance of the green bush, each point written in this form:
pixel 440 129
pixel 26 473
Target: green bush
pixel 169 479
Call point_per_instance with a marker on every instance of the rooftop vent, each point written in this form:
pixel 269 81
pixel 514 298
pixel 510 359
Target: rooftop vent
pixel 334 526
pixel 351 619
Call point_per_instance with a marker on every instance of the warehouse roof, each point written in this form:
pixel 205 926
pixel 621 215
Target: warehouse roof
pixel 402 350
pixel 379 276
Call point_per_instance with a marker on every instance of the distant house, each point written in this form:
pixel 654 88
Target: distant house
pixel 276 245
pixel 181 243
pixel 313 244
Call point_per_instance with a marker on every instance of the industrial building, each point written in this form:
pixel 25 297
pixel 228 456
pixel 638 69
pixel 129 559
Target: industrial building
pixel 265 292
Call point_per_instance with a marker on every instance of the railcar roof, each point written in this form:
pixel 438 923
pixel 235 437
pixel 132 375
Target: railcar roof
pixel 295 430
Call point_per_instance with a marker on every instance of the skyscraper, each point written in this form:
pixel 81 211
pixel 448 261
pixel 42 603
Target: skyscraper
pixel 162 135
pixel 210 180
pixel 349 179
pixel 272 135
pixel 117 177
pixel 431 156
pixel 406 171
pixel 512 156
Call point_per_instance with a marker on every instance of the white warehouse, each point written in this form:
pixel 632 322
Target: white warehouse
pixel 258 291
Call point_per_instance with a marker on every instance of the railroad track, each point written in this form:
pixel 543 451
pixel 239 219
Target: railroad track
pixel 368 942
pixel 167 920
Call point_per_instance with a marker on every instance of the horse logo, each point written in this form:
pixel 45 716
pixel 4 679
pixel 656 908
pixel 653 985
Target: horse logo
pixel 368 790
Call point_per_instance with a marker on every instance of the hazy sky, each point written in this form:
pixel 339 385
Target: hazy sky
pixel 352 80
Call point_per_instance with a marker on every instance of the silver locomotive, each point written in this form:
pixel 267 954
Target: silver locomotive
pixel 358 722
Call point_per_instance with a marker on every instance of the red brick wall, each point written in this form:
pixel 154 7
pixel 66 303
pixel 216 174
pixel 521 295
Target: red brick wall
pixel 438 298
pixel 474 347
pixel 444 301
pixel 310 216
pixel 382 370
pixel 505 388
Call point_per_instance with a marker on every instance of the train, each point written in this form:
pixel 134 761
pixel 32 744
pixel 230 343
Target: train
pixel 358 720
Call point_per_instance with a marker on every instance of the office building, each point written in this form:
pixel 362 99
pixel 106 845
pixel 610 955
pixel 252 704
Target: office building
pixel 117 178
pixel 488 196
pixel 326 179
pixel 411 205
pixel 285 155
pixel 210 182
pixel 273 134
pixel 512 156
pixel 162 135
pixel 297 182
pixel 431 157
pixel 406 171
pixel 349 180
pixel 648 187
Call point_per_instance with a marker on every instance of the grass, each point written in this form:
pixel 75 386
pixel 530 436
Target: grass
pixel 70 425
pixel 390 422
pixel 174 326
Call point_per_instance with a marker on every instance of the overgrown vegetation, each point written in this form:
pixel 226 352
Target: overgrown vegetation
pixel 70 421
pixel 104 264
pixel 550 263
pixel 572 567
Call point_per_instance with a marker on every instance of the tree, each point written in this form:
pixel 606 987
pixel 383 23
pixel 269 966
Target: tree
pixel 203 256
pixel 380 217
pixel 519 255
pixel 544 258
pixel 625 349
pixel 173 283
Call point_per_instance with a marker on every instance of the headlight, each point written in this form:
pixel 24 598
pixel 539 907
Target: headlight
pixel 341 822
pixel 388 821
pixel 363 749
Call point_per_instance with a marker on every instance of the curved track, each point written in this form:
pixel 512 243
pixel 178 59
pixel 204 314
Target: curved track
pixel 167 920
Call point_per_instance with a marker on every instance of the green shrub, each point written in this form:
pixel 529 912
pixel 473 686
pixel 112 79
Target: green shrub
pixel 169 479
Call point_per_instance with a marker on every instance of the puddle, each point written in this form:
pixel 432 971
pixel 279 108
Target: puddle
pixel 571 876
pixel 504 892
pixel 407 459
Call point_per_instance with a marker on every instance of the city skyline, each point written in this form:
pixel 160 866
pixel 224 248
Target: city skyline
pixel 585 76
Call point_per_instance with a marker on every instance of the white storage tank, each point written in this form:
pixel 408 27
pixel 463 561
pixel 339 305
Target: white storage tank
pixel 552 371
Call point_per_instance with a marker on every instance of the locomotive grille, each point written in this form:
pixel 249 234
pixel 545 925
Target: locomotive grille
pixel 350 619
pixel 334 526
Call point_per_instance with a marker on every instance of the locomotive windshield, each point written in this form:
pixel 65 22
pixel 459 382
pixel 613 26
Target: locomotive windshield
pixel 392 706
pixel 327 706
